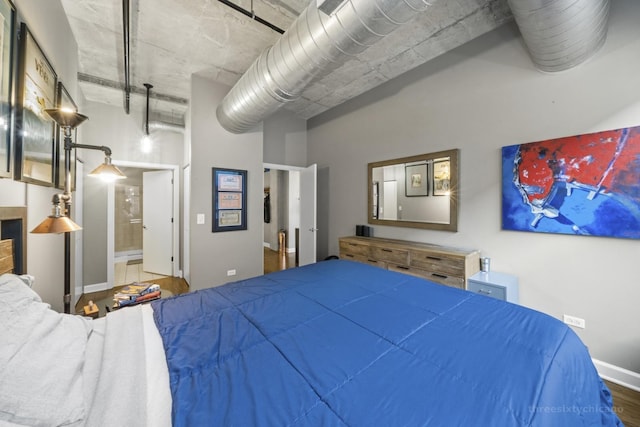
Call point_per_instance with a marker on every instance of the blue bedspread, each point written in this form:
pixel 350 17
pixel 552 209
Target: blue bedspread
pixel 341 343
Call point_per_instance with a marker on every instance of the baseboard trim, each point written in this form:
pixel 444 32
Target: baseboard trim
pixel 618 375
pixel 96 287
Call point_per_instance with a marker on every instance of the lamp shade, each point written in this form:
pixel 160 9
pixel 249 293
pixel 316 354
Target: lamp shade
pixel 65 117
pixel 107 171
pixel 56 224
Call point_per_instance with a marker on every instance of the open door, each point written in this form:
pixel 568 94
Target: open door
pixel 157 222
pixel 308 220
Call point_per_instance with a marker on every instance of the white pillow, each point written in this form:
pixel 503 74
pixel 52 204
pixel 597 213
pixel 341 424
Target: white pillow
pixel 41 358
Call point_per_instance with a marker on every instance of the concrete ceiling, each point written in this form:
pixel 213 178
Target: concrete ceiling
pixel 170 40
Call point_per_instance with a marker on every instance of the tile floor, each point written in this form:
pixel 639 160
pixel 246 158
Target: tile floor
pixel 129 273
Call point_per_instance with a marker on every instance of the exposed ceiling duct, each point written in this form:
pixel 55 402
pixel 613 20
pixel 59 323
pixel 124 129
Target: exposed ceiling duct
pixel 167 127
pixel 561 34
pixel 314 44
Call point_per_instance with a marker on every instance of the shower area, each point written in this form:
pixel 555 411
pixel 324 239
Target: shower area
pixel 128 219
pixel 128 227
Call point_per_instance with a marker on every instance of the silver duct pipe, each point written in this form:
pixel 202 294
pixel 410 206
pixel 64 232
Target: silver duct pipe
pixel 314 44
pixel 561 34
pixel 168 127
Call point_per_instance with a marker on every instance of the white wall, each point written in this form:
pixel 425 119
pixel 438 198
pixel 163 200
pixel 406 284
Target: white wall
pixel 213 254
pixel 480 97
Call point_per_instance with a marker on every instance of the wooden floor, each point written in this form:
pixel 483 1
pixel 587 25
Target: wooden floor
pixel 626 403
pixel 174 284
pixel 273 261
pixel 276 261
pixel 130 272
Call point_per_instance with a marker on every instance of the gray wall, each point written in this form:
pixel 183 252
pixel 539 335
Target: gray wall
pixel 480 97
pixel 213 254
pixel 110 126
pixel 285 139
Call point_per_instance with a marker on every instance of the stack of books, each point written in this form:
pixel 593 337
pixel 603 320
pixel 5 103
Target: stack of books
pixel 136 293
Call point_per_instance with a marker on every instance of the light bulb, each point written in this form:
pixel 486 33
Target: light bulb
pixel 145 144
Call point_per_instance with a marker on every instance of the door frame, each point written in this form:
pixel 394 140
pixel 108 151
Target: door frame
pixel 111 217
pixel 288 168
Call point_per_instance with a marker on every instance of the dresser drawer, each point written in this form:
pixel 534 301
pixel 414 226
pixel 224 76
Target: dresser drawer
pixel 353 257
pixel 447 265
pixel 376 262
pixel 443 279
pixel 487 289
pixel 354 248
pixel 394 255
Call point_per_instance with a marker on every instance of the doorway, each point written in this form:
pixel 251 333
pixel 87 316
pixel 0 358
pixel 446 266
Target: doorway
pixel 289 216
pixel 127 237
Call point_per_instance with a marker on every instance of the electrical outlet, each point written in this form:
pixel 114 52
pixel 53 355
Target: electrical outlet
pixel 231 272
pixel 574 321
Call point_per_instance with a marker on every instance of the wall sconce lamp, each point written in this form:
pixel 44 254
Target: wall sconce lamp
pixel 59 221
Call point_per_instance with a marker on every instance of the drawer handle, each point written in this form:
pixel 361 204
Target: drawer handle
pixel 434 258
pixel 353 244
pixel 402 267
pixel 442 276
pixel 349 255
pixel 484 291
pixel 387 250
pixel 375 261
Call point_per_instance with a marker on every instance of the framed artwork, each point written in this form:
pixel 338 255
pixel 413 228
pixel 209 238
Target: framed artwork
pixel 441 177
pixel 64 101
pixel 416 178
pixel 586 185
pixel 7 23
pixel 229 199
pixel 34 131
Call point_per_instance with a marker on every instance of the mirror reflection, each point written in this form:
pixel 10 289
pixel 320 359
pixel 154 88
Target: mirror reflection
pixel 417 191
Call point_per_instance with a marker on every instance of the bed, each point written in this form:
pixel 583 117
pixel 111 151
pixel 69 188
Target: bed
pixel 336 343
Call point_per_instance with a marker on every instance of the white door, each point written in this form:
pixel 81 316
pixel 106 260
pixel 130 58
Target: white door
pixel 308 220
pixel 157 222
pixel 390 205
pixel 186 251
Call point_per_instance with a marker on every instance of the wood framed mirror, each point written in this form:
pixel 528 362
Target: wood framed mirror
pixel 418 191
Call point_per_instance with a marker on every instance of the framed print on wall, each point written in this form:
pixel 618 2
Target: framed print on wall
pixel 416 177
pixel 34 131
pixel 64 101
pixel 441 177
pixel 229 199
pixel 7 22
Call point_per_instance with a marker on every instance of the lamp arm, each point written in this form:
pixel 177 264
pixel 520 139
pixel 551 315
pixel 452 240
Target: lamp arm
pixel 103 148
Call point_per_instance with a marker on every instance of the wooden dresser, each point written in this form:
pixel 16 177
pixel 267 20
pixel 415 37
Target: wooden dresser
pixel 446 265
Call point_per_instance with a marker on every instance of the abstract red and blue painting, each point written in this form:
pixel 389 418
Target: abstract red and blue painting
pixel 584 184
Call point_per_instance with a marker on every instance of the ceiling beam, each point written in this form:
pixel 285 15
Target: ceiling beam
pixel 87 78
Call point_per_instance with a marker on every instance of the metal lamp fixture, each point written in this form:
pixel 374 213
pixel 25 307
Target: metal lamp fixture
pixel 146 139
pixel 59 221
pixel 146 123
